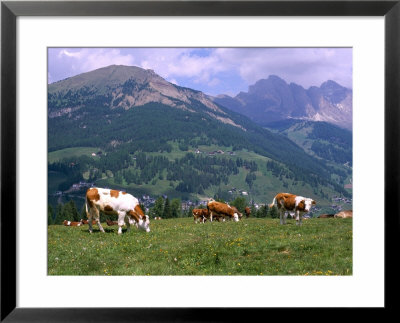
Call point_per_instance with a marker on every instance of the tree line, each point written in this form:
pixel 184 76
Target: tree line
pixel 193 173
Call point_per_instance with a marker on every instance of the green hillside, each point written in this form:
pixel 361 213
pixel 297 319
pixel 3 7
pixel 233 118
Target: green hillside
pixel 170 144
pixel 194 174
pixel 324 141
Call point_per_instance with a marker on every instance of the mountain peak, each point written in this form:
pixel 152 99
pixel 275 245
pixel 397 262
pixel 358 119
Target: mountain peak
pixel 276 78
pixel 273 99
pixel 272 79
pixel 331 85
pixel 120 86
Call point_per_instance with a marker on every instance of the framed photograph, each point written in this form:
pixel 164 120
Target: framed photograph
pixel 58 57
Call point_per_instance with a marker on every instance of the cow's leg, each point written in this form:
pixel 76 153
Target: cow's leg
pixel 95 214
pixel 91 213
pixel 280 216
pixel 285 215
pixel 298 222
pixel 90 222
pixel 121 221
pixel 99 224
pixel 299 218
pixel 128 224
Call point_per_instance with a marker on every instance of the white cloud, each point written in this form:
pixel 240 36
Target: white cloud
pixel 87 59
pixel 68 53
pixel 304 66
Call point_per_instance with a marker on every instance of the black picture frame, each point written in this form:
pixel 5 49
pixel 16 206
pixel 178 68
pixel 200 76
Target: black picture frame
pixel 10 10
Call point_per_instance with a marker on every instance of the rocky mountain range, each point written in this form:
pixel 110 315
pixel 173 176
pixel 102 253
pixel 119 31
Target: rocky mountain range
pixel 272 99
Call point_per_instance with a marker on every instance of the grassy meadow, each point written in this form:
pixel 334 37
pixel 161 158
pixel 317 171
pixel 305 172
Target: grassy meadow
pixel 70 152
pixel 180 247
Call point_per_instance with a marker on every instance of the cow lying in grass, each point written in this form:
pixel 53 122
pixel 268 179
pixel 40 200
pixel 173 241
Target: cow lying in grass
pixel 72 223
pixel 113 202
pixel 286 202
pixel 219 209
pixel 86 221
pixel 344 214
pixel 111 223
pixel 325 216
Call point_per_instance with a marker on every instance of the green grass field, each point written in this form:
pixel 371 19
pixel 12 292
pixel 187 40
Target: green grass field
pixel 180 247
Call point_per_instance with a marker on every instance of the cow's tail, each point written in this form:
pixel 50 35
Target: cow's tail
pixel 273 203
pixel 87 206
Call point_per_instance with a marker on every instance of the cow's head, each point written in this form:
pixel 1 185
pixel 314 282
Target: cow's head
pixel 308 204
pixel 236 216
pixel 144 223
pixel 239 215
pixel 139 219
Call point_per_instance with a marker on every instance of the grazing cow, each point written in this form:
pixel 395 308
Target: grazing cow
pixel 344 214
pixel 115 202
pixel 236 211
pixel 200 215
pixel 223 210
pixel 325 216
pixel 72 224
pixel 287 202
pixel 111 223
pixel 247 211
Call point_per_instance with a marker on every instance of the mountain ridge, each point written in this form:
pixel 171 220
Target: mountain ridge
pixel 272 99
pixel 131 86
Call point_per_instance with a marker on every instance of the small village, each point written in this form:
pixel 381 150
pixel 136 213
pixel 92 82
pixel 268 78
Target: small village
pixel 215 152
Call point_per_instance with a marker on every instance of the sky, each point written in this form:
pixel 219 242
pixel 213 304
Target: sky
pixel 212 70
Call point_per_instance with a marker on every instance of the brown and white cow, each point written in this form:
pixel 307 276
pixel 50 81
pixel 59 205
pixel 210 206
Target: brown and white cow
pixel 247 211
pixel 86 221
pixel 325 216
pixel 200 215
pixel 223 210
pixel 344 214
pixel 72 223
pixel 113 202
pixel 286 202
